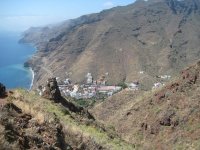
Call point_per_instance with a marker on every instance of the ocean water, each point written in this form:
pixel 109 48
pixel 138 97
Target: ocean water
pixel 12 57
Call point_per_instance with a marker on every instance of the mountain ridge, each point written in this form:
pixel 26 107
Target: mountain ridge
pixel 157 37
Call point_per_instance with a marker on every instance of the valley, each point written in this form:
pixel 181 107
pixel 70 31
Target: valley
pixel 122 79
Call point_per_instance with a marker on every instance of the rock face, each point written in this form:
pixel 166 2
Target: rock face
pixel 25 132
pixel 163 119
pixel 2 90
pixel 52 91
pixel 155 36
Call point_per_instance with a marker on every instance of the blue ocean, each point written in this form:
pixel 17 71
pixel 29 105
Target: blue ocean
pixel 13 74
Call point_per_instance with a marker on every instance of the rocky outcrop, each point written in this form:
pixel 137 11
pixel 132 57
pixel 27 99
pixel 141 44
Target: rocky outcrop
pixel 2 90
pixel 25 132
pixel 51 90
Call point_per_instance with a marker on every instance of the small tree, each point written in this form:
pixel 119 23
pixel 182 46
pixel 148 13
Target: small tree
pixel 123 85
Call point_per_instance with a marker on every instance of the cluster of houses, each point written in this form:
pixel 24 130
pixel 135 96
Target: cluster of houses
pixel 92 88
pixel 88 91
pixel 97 88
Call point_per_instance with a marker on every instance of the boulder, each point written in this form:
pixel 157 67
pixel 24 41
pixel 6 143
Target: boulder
pixel 166 118
pixel 2 90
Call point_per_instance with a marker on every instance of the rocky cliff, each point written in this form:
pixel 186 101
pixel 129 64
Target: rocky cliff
pixel 158 37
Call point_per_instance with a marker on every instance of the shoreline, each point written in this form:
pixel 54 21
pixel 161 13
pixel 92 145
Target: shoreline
pixel 33 76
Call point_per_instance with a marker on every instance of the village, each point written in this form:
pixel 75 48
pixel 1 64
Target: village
pixel 92 88
pixel 97 88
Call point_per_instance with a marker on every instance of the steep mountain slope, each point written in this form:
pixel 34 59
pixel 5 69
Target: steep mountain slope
pixel 168 118
pixel 28 121
pixel 155 36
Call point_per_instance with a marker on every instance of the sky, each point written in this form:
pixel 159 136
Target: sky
pixel 19 15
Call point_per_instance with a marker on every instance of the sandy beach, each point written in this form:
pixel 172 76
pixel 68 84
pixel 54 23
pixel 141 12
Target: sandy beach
pixel 33 75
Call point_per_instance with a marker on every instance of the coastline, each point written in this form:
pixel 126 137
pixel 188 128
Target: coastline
pixel 13 71
pixel 33 76
pixel 27 65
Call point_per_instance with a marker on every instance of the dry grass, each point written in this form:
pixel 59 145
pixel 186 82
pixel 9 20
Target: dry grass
pixel 45 110
pixel 138 118
pixel 4 144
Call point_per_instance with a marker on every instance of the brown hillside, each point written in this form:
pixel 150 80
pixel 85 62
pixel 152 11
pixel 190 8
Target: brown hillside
pixel 156 36
pixel 28 121
pixel 168 118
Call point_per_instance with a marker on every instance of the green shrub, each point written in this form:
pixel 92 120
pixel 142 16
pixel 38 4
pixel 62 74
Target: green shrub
pixel 123 85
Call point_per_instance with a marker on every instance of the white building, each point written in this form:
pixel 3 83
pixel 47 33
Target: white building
pixel 133 86
pixel 89 78
pixel 157 85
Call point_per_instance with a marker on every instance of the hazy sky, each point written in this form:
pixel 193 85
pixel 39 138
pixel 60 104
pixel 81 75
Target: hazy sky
pixel 21 14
